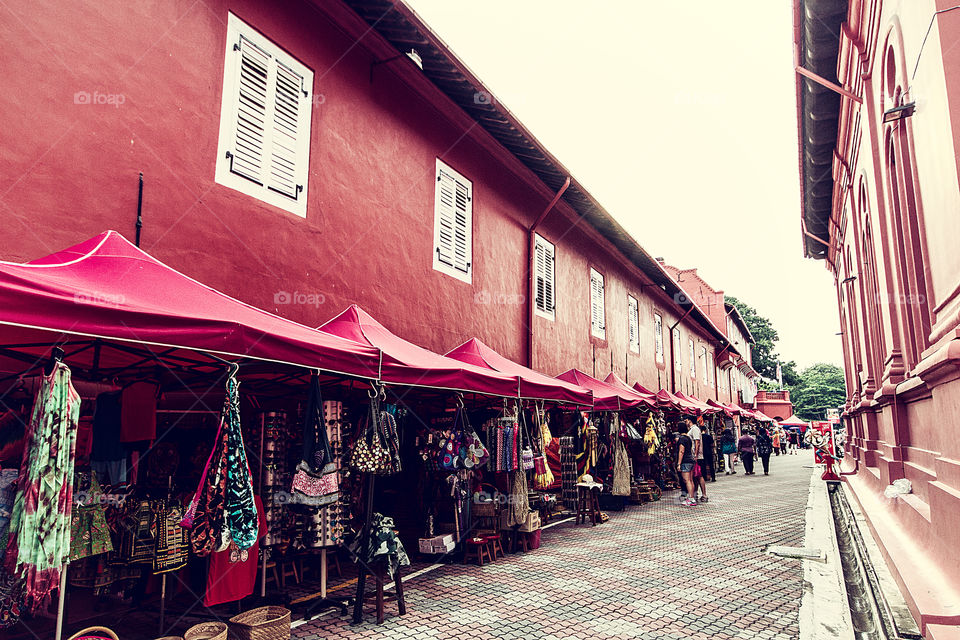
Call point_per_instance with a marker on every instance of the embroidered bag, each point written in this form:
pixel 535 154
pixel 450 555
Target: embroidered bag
pixel 315 482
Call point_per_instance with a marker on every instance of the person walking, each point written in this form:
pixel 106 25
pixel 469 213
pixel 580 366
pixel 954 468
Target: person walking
pixel 764 447
pixel 728 447
pixel 746 447
pixel 696 435
pixel 709 467
pixel 685 462
pixel 776 441
pixel 793 440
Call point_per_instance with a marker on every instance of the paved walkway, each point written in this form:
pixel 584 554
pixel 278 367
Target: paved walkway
pixel 655 571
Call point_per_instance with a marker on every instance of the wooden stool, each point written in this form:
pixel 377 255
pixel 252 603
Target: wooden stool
pixel 494 546
pixel 523 541
pixel 588 505
pixel 476 549
pixel 380 597
pixel 288 568
pixel 272 574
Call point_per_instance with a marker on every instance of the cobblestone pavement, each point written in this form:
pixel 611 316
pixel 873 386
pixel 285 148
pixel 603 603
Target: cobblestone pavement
pixel 654 571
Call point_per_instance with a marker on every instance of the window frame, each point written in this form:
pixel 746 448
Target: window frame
pixel 703 354
pixel 230 101
pixel 677 357
pixel 440 265
pixel 549 249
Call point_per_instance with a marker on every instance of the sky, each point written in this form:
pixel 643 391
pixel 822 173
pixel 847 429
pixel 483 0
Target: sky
pixel 680 119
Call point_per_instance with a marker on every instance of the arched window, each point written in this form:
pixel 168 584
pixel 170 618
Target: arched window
pixel 911 299
pixel 871 288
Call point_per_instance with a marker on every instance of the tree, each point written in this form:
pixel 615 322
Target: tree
pixel 764 357
pixel 821 387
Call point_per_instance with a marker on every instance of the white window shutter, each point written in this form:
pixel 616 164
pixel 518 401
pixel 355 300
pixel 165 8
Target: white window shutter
pixel 286 138
pixel 658 336
pixel 247 155
pixel 633 323
pixel 446 217
pixel 678 358
pixel 453 224
pixel 596 304
pixel 543 276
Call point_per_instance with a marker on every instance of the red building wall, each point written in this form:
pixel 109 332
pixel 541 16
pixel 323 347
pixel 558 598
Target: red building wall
pixel 69 171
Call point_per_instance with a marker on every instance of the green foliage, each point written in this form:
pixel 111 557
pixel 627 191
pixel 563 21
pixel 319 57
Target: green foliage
pixel 764 357
pixel 821 387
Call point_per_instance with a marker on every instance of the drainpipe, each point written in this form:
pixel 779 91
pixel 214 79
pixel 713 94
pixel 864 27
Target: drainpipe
pixel 673 356
pixel 532 280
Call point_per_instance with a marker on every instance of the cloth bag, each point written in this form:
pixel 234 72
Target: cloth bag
pixel 316 482
pixel 370 454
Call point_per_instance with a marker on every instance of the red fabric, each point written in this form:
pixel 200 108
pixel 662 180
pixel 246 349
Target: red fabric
pixel 701 407
pixel 106 287
pixel 138 412
pixel 229 581
pixel 406 363
pixel 553 459
pixel 614 381
pixel 533 384
pixel 605 397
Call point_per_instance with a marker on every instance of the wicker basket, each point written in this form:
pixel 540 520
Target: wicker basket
pixel 206 631
pixel 263 623
pixel 171 638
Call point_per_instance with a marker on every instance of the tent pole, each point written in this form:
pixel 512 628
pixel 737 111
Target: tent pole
pixel 60 601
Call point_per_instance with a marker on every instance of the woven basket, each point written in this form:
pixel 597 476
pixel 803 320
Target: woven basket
pixel 206 631
pixel 171 638
pixel 263 623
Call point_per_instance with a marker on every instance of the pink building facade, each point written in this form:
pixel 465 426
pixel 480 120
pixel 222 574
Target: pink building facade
pixel 878 92
pixel 295 157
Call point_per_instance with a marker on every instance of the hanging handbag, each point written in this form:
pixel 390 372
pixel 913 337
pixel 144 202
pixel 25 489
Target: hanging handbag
pixel 315 482
pixel 391 440
pixel 187 521
pixel 450 447
pixel 369 453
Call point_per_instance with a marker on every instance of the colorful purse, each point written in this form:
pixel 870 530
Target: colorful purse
pixel 369 454
pixel 316 482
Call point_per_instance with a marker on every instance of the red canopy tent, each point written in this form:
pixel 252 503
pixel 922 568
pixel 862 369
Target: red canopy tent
pixel 667 400
pixel 614 381
pixel 701 407
pixel 533 384
pixel 729 410
pixel 605 397
pixel 113 308
pixel 405 363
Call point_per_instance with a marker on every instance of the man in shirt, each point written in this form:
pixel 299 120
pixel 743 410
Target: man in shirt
pixel 697 437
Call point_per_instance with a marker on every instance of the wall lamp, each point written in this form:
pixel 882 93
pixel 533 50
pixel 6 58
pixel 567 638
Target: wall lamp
pixel 412 54
pixel 899 113
pixel 848 279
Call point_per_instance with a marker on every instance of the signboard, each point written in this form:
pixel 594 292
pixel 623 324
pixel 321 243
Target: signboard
pixel 820 436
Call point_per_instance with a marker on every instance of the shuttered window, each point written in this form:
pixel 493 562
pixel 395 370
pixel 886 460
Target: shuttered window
pixel 543 269
pixel 693 360
pixel 706 368
pixel 453 224
pixel 264 143
pixel 658 336
pixel 633 323
pixel 598 325
pixel 677 356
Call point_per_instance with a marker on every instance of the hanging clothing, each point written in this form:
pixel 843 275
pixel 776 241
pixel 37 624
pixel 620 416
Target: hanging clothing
pixel 621 468
pixel 224 509
pixel 39 542
pixel 138 412
pixel 233 573
pixel 89 533
pixel 383 544
pixel 8 491
pixel 519 500
pixel 170 551
pixel 106 431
